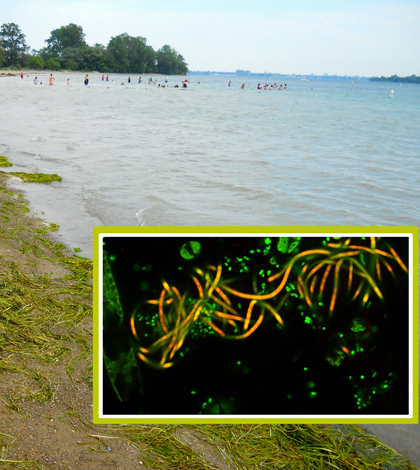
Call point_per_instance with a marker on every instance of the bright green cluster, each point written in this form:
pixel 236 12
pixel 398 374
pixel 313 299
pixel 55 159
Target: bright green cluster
pixel 112 311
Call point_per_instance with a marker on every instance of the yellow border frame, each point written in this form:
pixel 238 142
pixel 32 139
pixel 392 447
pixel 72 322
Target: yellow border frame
pixel 333 231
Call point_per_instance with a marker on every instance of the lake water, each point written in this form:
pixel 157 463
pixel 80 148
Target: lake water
pixel 320 153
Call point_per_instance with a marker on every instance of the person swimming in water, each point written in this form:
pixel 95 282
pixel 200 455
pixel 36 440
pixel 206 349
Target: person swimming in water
pixel 129 80
pixel 139 79
pixel 52 79
pixel 87 80
pixel 259 87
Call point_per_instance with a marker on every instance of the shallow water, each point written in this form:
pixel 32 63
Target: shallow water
pixel 340 154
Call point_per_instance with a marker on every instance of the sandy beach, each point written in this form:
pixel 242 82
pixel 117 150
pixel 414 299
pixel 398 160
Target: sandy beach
pixel 46 386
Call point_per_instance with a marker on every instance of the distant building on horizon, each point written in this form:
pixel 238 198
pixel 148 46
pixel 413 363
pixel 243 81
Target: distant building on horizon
pixel 243 72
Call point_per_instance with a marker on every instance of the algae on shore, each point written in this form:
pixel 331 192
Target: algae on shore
pixel 4 161
pixel 44 178
pixel 46 383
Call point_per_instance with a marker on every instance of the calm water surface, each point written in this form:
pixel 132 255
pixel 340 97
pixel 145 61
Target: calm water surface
pixel 341 153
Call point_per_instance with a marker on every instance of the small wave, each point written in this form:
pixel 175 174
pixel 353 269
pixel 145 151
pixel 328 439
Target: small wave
pixel 37 139
pixel 139 216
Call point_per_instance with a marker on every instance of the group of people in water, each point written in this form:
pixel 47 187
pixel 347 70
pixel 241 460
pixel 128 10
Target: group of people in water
pixel 272 87
pixel 151 82
pixel 266 86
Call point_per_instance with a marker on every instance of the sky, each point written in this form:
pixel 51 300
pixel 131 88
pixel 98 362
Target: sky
pixel 335 37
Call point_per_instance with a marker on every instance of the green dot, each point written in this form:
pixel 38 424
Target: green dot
pixel 192 392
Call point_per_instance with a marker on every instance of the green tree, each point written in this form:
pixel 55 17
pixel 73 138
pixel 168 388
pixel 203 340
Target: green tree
pixel 128 54
pixel 13 43
pixel 169 62
pixel 2 59
pixel 65 37
pixel 36 62
pixel 52 64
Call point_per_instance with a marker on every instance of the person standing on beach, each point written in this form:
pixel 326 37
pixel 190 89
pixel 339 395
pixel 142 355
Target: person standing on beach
pixel 87 80
pixel 52 80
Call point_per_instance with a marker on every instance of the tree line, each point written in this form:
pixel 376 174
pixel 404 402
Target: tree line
pixel 396 79
pixel 66 49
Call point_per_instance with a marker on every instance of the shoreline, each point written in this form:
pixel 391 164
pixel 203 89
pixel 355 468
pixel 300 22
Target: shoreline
pixel 46 367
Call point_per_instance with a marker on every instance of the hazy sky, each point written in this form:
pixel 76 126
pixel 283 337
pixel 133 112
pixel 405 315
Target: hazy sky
pixel 369 37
